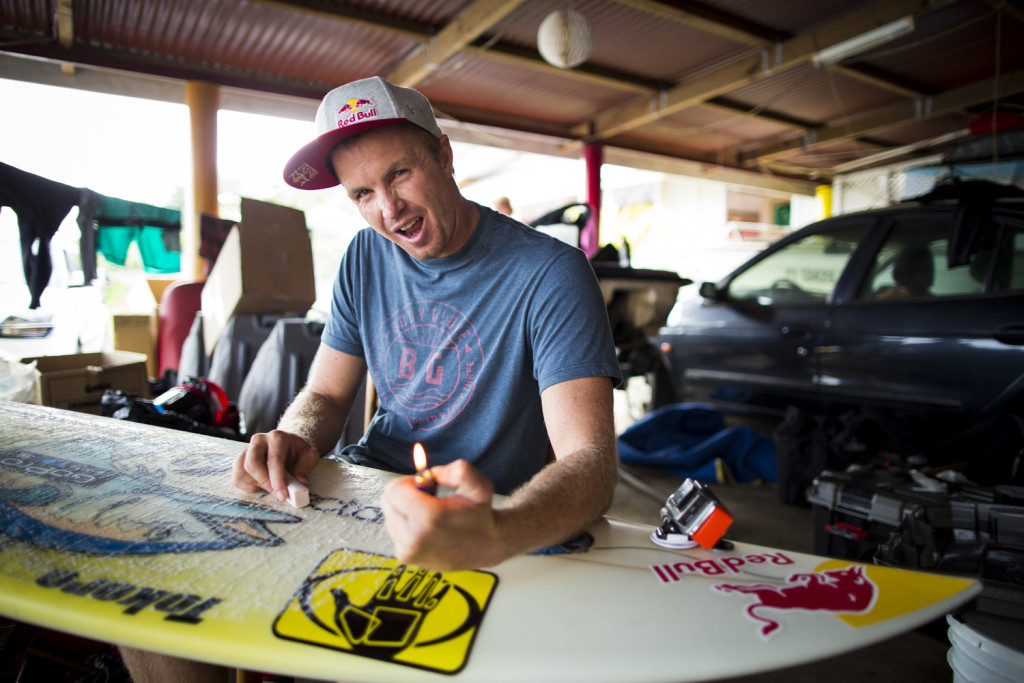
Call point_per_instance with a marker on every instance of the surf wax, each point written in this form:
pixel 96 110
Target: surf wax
pixel 298 494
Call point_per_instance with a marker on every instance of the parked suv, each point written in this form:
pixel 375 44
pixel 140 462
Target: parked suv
pixel 917 308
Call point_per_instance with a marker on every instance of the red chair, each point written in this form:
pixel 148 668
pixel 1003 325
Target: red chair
pixel 176 313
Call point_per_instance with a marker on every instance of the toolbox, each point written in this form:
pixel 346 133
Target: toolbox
pixel 887 517
pixel 856 511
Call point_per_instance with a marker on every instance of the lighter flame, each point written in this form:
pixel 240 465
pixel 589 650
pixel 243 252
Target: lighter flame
pixel 419 457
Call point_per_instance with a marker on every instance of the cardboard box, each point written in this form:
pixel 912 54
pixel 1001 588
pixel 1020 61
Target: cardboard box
pixel 77 382
pixel 265 266
pixel 157 285
pixel 137 333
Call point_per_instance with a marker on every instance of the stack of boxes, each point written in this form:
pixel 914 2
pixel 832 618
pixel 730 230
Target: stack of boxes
pixel 264 267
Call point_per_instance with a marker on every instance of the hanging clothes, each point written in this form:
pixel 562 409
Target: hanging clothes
pixel 41 205
pixel 87 204
pixel 156 230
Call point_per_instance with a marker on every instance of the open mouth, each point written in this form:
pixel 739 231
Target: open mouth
pixel 411 229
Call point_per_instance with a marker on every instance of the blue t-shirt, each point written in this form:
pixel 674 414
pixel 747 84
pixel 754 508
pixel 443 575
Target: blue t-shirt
pixel 461 347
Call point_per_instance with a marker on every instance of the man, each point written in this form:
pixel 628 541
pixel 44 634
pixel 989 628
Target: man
pixel 488 342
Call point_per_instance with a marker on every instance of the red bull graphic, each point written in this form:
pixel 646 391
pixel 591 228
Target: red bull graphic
pixel 354 111
pixel 845 591
pixel 674 572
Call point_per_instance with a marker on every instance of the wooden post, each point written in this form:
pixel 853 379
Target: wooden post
pixel 203 100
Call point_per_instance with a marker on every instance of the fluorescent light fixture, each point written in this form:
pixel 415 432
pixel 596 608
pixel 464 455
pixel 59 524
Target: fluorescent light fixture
pixel 865 41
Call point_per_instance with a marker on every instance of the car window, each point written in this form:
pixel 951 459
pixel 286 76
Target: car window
pixel 1007 268
pixel 912 262
pixel 805 271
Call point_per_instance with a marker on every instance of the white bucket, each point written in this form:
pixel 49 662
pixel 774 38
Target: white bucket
pixel 985 648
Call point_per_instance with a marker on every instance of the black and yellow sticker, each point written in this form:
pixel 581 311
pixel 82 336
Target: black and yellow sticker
pixel 375 606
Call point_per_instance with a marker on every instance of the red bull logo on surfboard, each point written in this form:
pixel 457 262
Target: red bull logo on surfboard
pixel 354 111
pixel 858 595
pixel 839 591
pixel 674 572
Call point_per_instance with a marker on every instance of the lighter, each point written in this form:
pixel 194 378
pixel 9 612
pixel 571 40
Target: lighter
pixel 424 479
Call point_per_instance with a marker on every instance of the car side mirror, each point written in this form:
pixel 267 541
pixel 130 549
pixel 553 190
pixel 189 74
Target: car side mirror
pixel 709 290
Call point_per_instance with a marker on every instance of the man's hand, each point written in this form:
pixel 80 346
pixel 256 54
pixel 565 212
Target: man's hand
pixel 459 531
pixel 263 462
pixel 310 426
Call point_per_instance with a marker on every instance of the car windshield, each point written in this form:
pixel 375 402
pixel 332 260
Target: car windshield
pixel 805 271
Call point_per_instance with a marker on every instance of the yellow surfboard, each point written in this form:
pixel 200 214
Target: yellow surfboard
pixel 134 535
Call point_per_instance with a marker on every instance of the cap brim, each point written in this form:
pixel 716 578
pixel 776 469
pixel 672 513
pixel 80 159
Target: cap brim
pixel 310 167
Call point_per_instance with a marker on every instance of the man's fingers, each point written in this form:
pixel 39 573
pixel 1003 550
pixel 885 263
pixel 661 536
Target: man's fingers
pixel 265 462
pixel 466 480
pixel 240 478
pixel 278 447
pixel 457 531
pixel 249 471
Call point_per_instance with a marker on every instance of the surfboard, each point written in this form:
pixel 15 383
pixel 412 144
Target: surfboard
pixel 134 535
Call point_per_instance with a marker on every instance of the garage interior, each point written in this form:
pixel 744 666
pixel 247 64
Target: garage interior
pixel 783 97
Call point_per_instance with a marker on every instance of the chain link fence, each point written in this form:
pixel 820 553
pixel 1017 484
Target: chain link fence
pixel 881 187
pixel 878 188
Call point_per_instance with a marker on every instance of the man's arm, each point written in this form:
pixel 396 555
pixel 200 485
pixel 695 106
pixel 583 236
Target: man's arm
pixel 463 531
pixel 310 427
pixel 577 488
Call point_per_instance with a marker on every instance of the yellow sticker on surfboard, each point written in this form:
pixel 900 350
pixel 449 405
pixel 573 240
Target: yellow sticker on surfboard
pixel 904 592
pixel 376 606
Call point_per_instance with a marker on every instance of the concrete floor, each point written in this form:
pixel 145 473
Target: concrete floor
pixel 761 518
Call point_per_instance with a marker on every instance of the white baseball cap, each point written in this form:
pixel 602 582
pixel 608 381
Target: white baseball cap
pixel 348 110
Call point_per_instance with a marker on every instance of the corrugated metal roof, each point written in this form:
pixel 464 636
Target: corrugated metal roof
pixel 818 94
pixel 506 89
pixel 726 80
pixel 787 18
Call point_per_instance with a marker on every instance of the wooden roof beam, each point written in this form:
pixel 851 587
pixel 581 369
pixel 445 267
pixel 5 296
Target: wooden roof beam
pixel 463 30
pixel 880 79
pixel 898 114
pixel 707 20
pixel 502 52
pixel 783 56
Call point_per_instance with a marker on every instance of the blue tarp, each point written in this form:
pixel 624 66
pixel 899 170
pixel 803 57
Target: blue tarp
pixel 691 440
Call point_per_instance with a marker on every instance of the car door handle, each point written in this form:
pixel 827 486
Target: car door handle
pixel 1010 334
pixel 801 331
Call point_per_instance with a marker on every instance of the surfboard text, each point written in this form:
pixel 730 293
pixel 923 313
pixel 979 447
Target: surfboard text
pixel 672 573
pixel 353 509
pixel 179 607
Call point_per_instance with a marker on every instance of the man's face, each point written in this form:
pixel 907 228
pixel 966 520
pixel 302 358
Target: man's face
pixel 404 190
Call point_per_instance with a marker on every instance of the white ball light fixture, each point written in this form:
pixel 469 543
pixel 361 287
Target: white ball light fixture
pixel 565 39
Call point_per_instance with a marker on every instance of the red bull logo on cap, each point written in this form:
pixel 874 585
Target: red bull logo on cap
pixel 356 110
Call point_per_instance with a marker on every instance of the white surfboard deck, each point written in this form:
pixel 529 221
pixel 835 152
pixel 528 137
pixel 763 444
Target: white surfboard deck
pixel 134 535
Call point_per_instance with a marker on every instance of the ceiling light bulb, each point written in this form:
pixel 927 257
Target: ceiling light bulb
pixel 565 39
